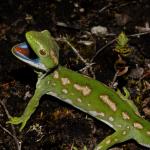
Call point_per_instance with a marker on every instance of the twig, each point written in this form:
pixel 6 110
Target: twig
pixel 104 8
pixel 138 34
pixel 7 131
pixel 18 143
pixel 114 79
pixel 124 4
pixel 87 65
pixel 76 52
pixel 102 48
pixel 90 68
pixel 5 109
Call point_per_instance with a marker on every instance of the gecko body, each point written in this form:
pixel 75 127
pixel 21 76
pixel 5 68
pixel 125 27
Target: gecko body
pixel 82 92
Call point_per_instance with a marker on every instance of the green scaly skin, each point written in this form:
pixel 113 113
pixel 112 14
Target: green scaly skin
pixel 87 95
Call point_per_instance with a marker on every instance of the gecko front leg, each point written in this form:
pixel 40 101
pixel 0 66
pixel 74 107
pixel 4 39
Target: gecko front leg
pixel 29 110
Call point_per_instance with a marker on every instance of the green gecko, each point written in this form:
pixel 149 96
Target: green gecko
pixel 80 91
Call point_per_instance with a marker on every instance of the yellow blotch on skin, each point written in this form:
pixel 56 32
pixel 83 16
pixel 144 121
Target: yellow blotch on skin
pixel 124 133
pixel 116 140
pixel 54 84
pixel 53 56
pixel 84 89
pixel 125 116
pixel 65 81
pixel 79 100
pixel 119 125
pixel 111 119
pixel 109 102
pixel 108 142
pixel 56 75
pixel 148 133
pixel 64 91
pixel 137 125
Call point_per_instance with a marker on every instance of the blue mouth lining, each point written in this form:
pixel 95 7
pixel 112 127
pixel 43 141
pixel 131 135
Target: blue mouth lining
pixel 34 62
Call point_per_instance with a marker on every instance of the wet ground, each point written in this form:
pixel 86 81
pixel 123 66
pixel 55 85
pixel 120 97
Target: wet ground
pixel 55 125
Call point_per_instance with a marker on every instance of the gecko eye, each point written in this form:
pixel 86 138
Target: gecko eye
pixel 43 52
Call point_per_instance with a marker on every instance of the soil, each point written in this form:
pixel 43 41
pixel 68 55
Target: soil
pixel 56 125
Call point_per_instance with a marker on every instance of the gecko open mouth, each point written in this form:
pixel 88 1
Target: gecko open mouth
pixel 24 52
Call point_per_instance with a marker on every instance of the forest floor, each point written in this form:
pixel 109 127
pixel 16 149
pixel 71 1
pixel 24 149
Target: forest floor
pixel 91 27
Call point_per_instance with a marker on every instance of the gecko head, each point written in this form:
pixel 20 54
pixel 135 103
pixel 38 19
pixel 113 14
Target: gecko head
pixel 45 47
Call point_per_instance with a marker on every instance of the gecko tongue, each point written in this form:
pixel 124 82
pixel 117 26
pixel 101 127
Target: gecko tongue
pixel 25 54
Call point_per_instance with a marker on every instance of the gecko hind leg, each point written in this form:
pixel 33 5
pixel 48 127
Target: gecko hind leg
pixel 126 98
pixel 116 137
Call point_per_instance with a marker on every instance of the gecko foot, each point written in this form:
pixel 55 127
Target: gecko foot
pixel 18 120
pixel 15 120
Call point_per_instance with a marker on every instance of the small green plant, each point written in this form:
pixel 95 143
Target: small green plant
pixel 122 46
